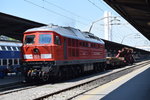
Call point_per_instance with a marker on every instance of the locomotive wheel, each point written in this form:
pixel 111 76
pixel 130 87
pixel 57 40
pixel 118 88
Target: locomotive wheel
pixel 28 77
pixel 45 76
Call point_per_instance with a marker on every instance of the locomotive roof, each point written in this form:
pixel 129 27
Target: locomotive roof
pixel 69 32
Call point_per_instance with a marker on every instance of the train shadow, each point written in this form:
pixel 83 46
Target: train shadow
pixel 87 76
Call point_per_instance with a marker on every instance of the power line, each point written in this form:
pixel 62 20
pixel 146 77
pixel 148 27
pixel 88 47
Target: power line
pixel 53 11
pixel 65 10
pixel 103 3
pixel 96 6
pixel 129 28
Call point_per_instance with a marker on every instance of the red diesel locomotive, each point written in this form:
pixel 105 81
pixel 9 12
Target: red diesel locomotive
pixel 62 52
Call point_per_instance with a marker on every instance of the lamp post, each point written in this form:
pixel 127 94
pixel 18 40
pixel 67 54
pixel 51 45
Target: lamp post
pixel 127 36
pixel 107 27
pixel 115 18
pixel 95 22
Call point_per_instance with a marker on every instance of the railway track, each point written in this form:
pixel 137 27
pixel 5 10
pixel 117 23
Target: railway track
pixel 67 90
pixel 78 89
pixel 16 87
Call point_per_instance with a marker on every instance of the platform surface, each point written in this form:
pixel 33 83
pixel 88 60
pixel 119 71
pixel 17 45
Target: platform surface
pixel 133 86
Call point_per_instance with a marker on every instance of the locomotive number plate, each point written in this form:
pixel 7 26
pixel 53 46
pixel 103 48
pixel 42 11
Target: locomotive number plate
pixel 36 56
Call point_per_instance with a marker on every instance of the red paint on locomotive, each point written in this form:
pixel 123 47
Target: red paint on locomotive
pixel 55 50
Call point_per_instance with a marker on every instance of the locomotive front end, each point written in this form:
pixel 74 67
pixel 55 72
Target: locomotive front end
pixel 37 46
pixel 37 55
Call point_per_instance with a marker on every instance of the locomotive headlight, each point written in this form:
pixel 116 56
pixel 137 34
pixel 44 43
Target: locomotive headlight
pixel 28 56
pixel 46 55
pixel 35 50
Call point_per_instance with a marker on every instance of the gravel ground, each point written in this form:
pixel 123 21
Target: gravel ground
pixel 33 93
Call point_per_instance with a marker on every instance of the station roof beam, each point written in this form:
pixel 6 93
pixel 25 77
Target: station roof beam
pixel 136 12
pixel 14 27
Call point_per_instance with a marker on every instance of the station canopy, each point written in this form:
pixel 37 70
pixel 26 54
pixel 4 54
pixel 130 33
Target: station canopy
pixel 136 12
pixel 14 27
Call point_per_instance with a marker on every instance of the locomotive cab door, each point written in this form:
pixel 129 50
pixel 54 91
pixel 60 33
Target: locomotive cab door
pixel 65 48
pixel 58 47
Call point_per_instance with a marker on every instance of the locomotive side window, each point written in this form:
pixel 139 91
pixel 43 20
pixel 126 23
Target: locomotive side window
pixel 29 39
pixel 69 42
pixel 73 43
pixel 45 39
pixel 86 44
pixel 57 40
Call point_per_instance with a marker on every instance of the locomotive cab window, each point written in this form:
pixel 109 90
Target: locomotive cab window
pixel 45 39
pixel 29 39
pixel 57 40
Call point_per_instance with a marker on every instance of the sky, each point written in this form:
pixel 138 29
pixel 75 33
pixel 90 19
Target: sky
pixel 75 13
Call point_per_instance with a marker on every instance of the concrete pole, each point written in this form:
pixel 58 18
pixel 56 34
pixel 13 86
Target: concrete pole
pixel 107 26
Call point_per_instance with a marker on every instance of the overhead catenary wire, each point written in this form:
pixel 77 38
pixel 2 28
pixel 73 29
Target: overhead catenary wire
pixel 128 28
pixel 49 10
pixel 117 34
pixel 96 6
pixel 66 10
pixel 104 4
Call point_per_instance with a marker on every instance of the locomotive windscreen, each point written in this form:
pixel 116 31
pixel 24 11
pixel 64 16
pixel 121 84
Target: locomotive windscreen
pixel 45 39
pixel 29 39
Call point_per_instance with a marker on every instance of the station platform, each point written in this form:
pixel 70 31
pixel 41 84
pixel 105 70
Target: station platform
pixel 133 86
pixel 11 79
